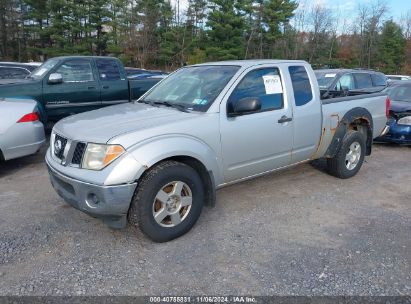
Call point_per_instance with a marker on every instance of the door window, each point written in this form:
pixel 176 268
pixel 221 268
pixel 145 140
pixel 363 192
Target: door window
pixel 108 70
pixel 346 81
pixel 77 70
pixel 264 84
pixel 363 80
pixel 301 84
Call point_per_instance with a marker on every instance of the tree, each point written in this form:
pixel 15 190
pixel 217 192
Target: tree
pixel 391 48
pixel 226 35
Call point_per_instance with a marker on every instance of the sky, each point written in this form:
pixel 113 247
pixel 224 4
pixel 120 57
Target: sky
pixel 397 8
pixel 348 8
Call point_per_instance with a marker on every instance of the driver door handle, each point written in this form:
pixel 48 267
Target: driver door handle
pixel 284 119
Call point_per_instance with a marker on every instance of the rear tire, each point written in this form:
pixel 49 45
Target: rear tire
pixel 168 201
pixel 349 159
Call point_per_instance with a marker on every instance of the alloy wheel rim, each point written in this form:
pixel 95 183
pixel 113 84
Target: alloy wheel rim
pixel 352 158
pixel 172 204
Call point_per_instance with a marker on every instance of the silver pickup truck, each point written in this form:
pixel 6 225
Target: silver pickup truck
pixel 158 160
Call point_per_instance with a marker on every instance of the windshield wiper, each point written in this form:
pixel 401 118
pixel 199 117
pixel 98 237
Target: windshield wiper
pixel 149 102
pixel 177 106
pixel 156 103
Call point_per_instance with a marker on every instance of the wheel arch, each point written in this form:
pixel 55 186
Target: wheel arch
pixel 195 154
pixel 359 119
pixel 206 176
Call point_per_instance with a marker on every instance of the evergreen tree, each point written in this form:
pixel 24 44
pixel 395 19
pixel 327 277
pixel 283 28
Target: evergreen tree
pixel 391 48
pixel 226 35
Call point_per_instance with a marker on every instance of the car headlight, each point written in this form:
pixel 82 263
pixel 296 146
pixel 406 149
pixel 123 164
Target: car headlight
pixel 98 156
pixel 404 121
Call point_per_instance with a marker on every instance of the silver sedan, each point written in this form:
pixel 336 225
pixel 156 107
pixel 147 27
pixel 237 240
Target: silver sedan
pixel 21 132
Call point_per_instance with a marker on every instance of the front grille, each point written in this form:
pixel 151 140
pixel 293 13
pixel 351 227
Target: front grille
pixel 59 146
pixel 78 153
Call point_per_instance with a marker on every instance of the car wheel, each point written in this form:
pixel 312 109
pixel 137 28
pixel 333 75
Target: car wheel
pixel 349 159
pixel 168 201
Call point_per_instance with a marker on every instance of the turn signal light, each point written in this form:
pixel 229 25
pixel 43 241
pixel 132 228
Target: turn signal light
pixel 30 117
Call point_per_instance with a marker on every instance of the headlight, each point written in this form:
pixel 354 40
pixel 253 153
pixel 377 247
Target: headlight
pixel 98 156
pixel 404 121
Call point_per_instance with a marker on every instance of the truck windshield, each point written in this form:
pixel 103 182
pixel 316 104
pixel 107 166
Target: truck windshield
pixel 325 79
pixel 192 88
pixel 43 69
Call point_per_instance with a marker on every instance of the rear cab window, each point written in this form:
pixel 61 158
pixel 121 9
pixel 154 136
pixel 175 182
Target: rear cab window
pixel 363 80
pixel 303 93
pixel 379 80
pixel 264 84
pixel 108 70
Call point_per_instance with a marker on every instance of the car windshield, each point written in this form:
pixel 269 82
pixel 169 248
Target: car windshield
pixel 325 79
pixel 192 88
pixel 43 69
pixel 399 93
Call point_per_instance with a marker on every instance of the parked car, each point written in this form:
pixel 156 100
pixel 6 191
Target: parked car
pixel 68 85
pixel 160 159
pixel 349 82
pixel 135 73
pixel 15 70
pixel 148 75
pixel 21 132
pixel 399 121
pixel 398 77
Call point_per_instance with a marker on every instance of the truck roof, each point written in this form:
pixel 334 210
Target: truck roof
pixel 83 56
pixel 251 62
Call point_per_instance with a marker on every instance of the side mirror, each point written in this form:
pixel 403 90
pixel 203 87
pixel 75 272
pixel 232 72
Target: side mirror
pixel 55 78
pixel 244 106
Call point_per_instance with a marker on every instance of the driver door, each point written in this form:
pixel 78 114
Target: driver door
pixel 261 141
pixel 78 92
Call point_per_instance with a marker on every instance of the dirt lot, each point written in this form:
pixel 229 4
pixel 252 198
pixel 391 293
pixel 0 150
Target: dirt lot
pixel 296 232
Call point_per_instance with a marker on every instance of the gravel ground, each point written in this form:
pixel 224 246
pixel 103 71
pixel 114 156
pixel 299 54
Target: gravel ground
pixel 296 232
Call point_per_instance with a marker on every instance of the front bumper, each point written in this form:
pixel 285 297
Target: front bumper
pixel 110 203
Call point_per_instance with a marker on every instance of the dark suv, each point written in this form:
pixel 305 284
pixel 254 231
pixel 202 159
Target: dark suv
pixel 14 70
pixel 346 82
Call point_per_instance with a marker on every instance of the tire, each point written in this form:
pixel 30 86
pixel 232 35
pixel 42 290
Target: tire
pixel 339 166
pixel 162 199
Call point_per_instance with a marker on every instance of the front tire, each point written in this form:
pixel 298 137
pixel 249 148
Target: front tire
pixel 349 159
pixel 168 201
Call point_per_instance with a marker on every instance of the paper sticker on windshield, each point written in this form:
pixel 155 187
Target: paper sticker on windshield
pixel 272 84
pixel 172 97
pixel 330 75
pixel 199 101
pixel 41 71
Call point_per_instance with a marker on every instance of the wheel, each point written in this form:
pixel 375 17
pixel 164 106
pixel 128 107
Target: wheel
pixel 349 159
pixel 168 201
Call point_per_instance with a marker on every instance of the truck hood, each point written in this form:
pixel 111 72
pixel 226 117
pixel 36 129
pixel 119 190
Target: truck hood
pixel 101 125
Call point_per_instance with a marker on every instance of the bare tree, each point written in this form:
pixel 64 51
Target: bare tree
pixel 321 21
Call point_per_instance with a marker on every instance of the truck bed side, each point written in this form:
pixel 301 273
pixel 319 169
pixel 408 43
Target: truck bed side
pixel 340 113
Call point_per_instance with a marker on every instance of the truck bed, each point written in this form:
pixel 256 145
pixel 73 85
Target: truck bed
pixel 334 109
